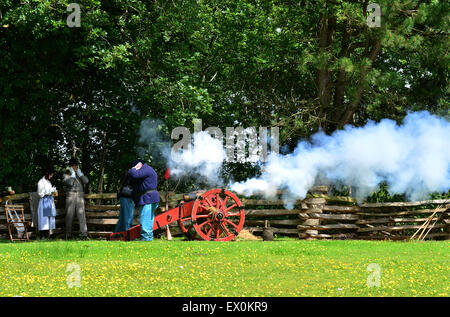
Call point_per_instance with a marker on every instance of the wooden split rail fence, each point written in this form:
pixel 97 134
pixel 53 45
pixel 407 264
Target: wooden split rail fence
pixel 317 217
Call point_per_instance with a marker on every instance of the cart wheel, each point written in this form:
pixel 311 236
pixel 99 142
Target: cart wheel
pixel 218 215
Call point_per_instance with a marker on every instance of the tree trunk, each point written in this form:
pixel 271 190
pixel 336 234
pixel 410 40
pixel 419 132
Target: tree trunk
pixel 327 25
pixel 346 118
pixel 340 83
pixel 102 165
pixel 86 144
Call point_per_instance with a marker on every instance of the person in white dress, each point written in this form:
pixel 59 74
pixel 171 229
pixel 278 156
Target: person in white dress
pixel 46 208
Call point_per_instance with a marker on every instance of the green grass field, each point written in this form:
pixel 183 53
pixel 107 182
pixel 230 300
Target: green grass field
pixel 245 268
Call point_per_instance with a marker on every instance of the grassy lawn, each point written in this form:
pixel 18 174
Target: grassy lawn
pixel 245 268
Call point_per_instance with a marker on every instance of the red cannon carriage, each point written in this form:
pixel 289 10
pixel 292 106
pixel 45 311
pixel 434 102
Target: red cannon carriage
pixel 216 215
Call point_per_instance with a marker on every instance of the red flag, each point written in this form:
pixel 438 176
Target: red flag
pixel 167 174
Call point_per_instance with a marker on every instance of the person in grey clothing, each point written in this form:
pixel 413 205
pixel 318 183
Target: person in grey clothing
pixel 74 180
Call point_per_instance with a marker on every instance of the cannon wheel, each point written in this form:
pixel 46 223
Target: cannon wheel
pixel 218 215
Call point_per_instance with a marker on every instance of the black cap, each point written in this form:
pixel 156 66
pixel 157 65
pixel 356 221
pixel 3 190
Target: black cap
pixel 73 161
pixel 135 162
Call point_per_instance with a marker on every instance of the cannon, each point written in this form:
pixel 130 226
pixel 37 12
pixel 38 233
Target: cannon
pixel 215 215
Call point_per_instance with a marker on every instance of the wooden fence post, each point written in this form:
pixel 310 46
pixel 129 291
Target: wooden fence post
pixel 447 222
pixel 315 206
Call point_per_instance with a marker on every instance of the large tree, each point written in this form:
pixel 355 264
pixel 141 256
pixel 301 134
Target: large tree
pixel 301 65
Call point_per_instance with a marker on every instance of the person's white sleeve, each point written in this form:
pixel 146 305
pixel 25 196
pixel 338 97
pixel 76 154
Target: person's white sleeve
pixel 41 189
pixel 72 172
pixel 79 172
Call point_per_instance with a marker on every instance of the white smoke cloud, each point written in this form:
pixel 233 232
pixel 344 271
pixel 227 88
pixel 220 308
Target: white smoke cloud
pixel 153 140
pixel 413 158
pixel 204 157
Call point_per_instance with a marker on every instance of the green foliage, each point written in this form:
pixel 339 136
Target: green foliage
pixel 228 62
pixel 383 195
pixel 440 195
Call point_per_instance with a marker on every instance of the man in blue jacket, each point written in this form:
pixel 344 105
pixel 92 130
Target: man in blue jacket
pixel 145 196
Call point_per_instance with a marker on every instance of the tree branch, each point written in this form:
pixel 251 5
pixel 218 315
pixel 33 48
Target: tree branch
pixel 376 48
